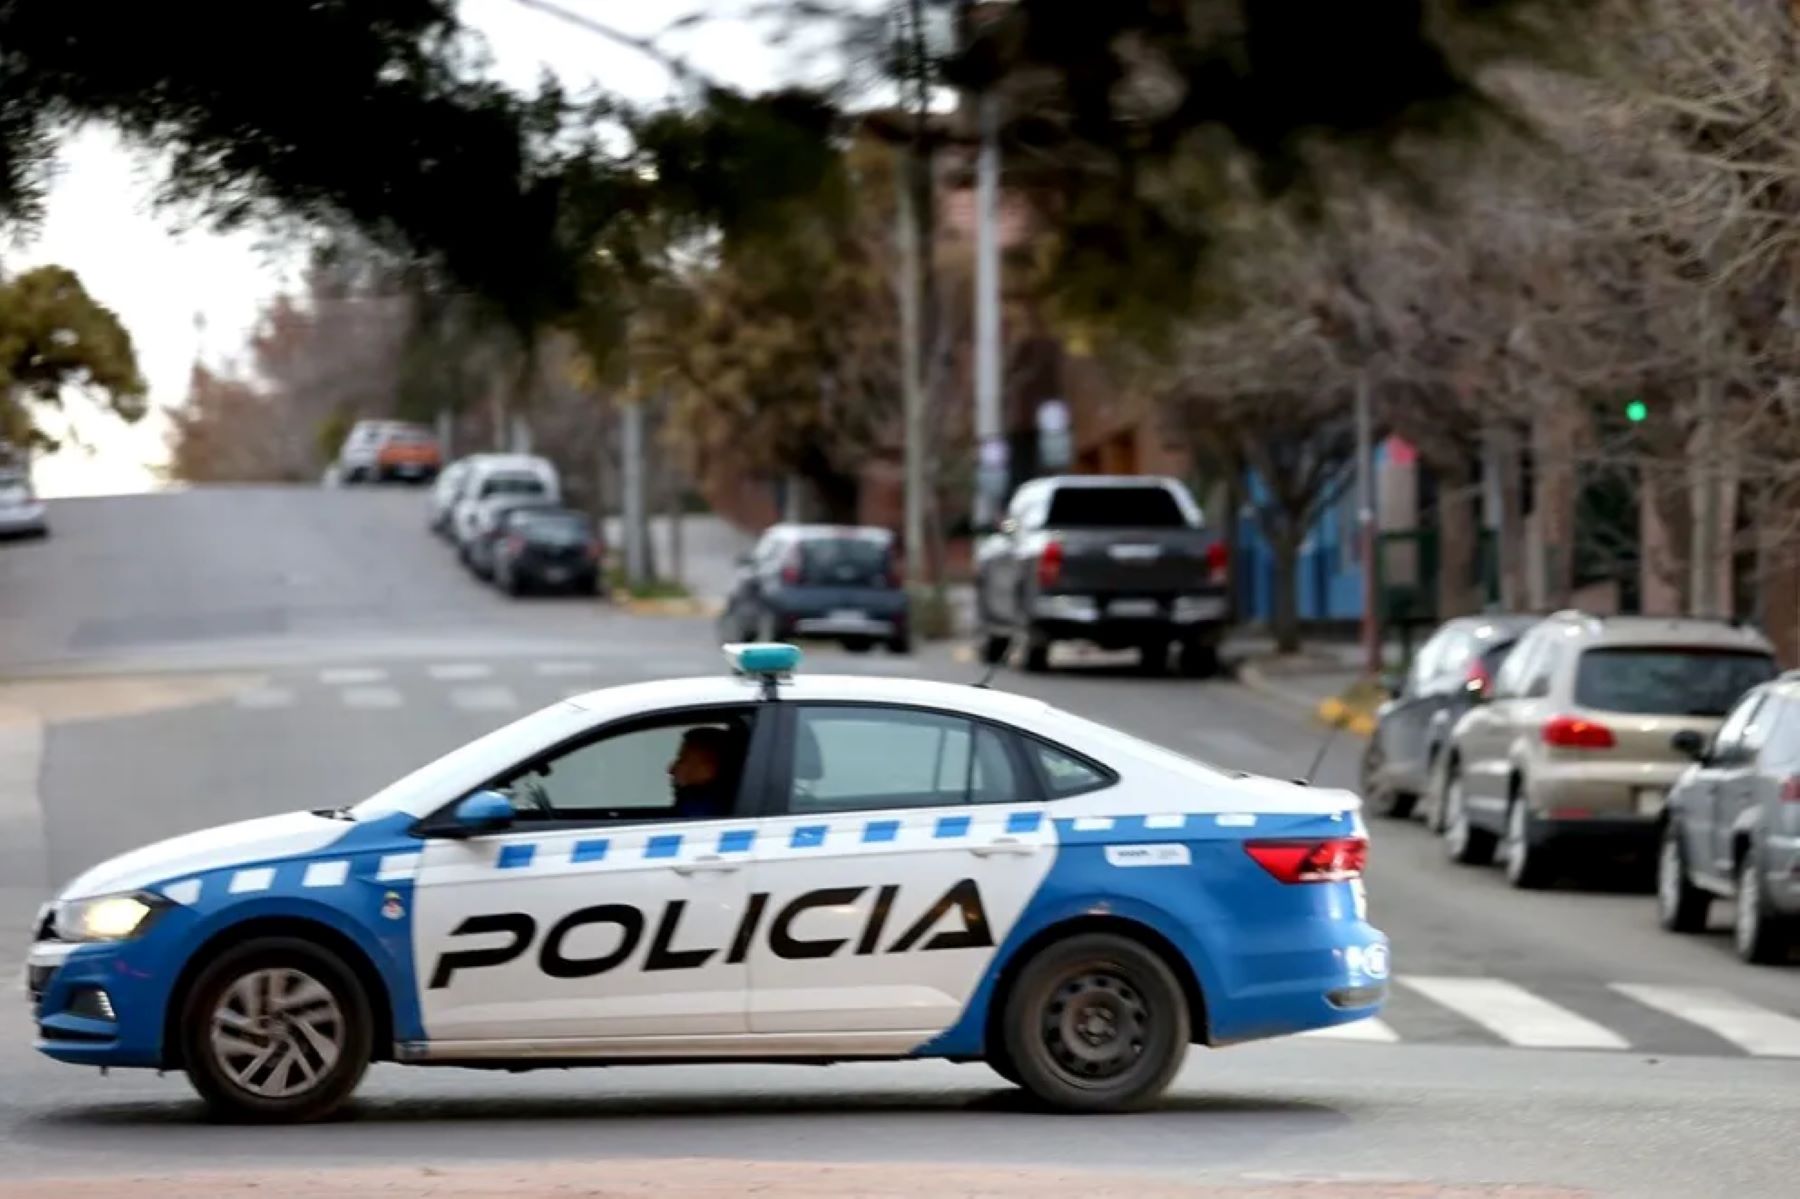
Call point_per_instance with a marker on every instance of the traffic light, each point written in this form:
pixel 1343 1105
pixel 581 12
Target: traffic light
pixel 1636 411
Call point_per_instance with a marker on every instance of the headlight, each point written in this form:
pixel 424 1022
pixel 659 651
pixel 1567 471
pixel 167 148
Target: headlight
pixel 106 917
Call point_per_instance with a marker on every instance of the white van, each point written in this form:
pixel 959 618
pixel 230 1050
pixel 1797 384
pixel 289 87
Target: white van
pixel 491 475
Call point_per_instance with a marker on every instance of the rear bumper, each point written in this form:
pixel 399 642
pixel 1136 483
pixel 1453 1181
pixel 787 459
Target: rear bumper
pixel 1119 620
pixel 840 613
pixel 1340 978
pixel 1635 834
pixel 1629 791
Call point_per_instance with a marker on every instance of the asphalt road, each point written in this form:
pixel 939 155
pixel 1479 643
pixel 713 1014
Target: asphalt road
pixel 176 661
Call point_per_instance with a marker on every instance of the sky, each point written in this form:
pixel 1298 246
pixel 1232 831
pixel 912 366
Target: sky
pixel 183 294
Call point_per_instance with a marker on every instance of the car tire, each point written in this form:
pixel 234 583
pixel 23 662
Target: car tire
pixel 1000 1064
pixel 857 645
pixel 1199 659
pixel 994 648
pixel 1762 937
pixel 1466 844
pixel 1153 658
pixel 1528 867
pixel 1037 652
pixel 901 644
pixel 1383 801
pixel 1681 907
pixel 510 582
pixel 232 1023
pixel 1095 1023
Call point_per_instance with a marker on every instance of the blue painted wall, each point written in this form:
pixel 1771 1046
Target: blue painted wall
pixel 1328 576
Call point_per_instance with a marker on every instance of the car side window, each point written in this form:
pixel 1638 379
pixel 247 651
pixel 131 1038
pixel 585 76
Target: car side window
pixel 856 758
pixel 1521 665
pixel 1739 735
pixel 1424 665
pixel 1064 773
pixel 684 767
pixel 1452 664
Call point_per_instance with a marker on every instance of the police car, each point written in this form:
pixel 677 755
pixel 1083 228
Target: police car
pixel 759 866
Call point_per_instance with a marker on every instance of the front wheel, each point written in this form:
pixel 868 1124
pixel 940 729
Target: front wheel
pixel 1381 798
pixel 1096 1023
pixel 276 1030
pixel 1037 652
pixel 1680 906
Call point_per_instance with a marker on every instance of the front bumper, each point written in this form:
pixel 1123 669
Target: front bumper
pixel 136 978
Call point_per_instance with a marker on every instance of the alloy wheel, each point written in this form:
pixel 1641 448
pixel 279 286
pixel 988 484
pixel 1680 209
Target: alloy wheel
pixel 277 1032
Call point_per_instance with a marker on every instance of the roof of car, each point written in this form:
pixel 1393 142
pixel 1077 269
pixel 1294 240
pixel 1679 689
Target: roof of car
pixel 1106 481
pixel 1666 630
pixel 1494 624
pixel 724 688
pixel 815 530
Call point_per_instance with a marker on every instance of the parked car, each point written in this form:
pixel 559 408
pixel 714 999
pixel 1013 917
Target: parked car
pixel 379 450
pixel 1456 664
pixel 1573 747
pixel 839 583
pixel 491 514
pixel 22 514
pixel 444 493
pixel 546 548
pixel 493 475
pixel 1117 561
pixel 1733 828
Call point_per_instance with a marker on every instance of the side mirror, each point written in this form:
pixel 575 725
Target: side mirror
pixel 1689 744
pixel 481 813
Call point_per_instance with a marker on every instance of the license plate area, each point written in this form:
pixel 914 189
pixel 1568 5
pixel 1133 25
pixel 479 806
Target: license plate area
pixel 849 614
pixel 1134 608
pixel 1649 801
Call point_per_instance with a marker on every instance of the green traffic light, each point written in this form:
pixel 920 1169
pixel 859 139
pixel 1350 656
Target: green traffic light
pixel 1636 411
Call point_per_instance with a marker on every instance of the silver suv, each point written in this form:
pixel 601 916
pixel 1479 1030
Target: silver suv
pixel 1574 743
pixel 1734 826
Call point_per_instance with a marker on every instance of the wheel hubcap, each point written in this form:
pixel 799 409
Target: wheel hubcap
pixel 277 1032
pixel 1095 1026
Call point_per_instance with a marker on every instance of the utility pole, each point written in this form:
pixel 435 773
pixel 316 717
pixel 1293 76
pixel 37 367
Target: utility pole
pixel 637 556
pixel 1703 545
pixel 992 463
pixel 1365 527
pixel 912 374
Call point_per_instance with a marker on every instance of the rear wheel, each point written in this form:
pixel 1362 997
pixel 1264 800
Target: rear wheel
pixel 857 645
pixel 994 648
pixel 1095 1023
pixel 1153 657
pixel 1465 843
pixel 1382 799
pixel 1037 652
pixel 1681 907
pixel 1528 866
pixel 1762 937
pixel 900 644
pixel 1199 659
pixel 276 1030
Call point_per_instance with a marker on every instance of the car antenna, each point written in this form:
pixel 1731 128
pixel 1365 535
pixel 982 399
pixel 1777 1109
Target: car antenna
pixel 987 676
pixel 1337 726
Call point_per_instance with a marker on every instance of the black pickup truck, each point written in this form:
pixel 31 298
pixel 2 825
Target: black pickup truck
pixel 1119 562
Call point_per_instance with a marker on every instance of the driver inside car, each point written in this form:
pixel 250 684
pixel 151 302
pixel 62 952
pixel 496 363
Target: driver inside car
pixel 699 777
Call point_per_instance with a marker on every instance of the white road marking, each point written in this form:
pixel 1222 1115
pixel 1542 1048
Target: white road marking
pixel 264 698
pixel 1514 1014
pixel 459 672
pixel 371 697
pixel 1756 1030
pixel 349 676
pixel 484 699
pixel 1373 1030
pixel 559 670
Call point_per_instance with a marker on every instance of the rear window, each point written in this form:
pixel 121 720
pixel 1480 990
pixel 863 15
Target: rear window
pixel 552 528
pixel 1115 508
pixel 512 485
pixel 844 560
pixel 1668 682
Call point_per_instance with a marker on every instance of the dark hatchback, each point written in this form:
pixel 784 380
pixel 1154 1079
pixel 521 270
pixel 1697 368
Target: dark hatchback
pixel 832 582
pixel 1451 671
pixel 549 549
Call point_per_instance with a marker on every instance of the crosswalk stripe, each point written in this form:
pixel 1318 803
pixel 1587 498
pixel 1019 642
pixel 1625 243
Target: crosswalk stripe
pixel 1755 1030
pixel 484 699
pixel 370 697
pixel 263 698
pixel 459 672
pixel 1372 1030
pixel 1514 1014
pixel 349 676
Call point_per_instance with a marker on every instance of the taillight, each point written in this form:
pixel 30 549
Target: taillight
pixel 790 567
pixel 1478 679
pixel 1334 860
pixel 1050 563
pixel 1218 563
pixel 1574 732
pixel 1790 789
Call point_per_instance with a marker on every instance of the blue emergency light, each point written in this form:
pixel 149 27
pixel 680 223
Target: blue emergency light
pixel 765 659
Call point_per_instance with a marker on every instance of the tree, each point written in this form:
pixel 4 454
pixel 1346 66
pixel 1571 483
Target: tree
pixel 54 335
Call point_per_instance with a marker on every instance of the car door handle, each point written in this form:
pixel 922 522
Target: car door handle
pixel 1003 845
pixel 710 863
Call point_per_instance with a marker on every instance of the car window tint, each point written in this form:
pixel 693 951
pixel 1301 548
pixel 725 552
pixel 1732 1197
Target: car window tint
pixel 854 758
pixel 1064 773
pixel 1668 681
pixel 1115 508
pixel 631 775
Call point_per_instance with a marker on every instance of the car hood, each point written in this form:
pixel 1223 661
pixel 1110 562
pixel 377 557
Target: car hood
pixel 269 837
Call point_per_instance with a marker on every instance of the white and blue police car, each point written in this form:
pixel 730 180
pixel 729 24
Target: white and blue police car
pixel 757 866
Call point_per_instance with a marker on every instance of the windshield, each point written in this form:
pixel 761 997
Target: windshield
pixel 1654 681
pixel 1116 508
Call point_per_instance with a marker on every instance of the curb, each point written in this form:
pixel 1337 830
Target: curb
pixel 670 607
pixel 1331 711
